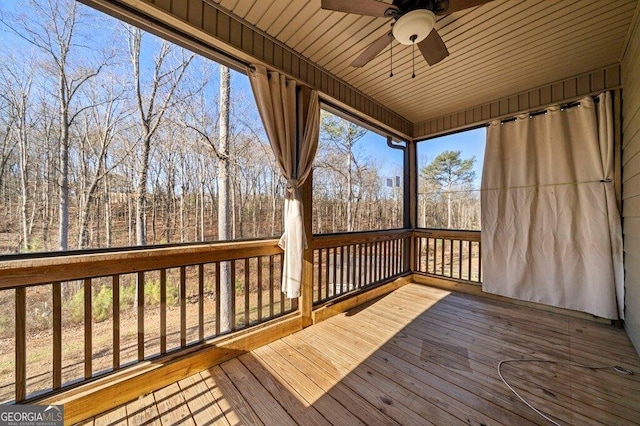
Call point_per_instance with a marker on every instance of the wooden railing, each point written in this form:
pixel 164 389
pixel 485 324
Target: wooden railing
pixel 79 316
pixel 344 263
pixel 67 318
pixel 448 253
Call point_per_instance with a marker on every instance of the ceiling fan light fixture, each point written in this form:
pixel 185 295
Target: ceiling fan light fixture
pixel 414 26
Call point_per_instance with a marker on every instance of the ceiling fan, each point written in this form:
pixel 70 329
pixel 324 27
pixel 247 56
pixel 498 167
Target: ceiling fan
pixel 413 22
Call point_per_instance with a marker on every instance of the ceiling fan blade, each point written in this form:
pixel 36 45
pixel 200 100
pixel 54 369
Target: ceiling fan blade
pixel 433 48
pixel 373 50
pixel 457 5
pixel 359 7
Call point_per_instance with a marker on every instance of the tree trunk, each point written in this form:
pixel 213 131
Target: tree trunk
pixel 449 209
pixel 141 199
pixel 63 205
pixel 107 213
pixel 226 289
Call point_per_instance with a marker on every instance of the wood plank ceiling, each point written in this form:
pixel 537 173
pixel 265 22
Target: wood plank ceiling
pixel 497 49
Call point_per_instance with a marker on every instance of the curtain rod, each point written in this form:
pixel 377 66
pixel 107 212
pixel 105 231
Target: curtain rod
pixel 535 113
pixel 329 105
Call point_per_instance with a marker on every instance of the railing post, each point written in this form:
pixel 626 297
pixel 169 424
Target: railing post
pixel 411 204
pixel 306 294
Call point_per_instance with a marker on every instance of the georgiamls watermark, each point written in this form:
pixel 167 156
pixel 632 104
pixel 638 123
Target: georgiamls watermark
pixel 31 415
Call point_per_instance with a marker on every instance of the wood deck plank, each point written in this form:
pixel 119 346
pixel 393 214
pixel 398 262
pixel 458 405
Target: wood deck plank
pixel 235 408
pixel 260 400
pixel 332 411
pixel 462 397
pixel 172 407
pixel 201 402
pixel 143 411
pixel 287 396
pixel 578 404
pixel 383 400
pixel 538 345
pixel 463 361
pixel 359 406
pixel 417 356
pixel 115 417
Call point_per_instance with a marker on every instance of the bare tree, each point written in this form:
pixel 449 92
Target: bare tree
pixel 343 135
pixel 52 30
pixel 99 127
pixel 153 99
pixel 15 89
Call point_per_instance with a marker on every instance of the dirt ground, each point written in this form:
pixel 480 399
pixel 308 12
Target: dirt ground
pixel 39 342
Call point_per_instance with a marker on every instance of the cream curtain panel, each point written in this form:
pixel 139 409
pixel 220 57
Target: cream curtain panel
pixel 551 229
pixel 276 97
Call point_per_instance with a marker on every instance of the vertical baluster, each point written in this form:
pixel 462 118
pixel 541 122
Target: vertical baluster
pixel 451 258
pixel 435 255
pixel 392 258
pixel 460 259
pixel 479 262
pixel 427 249
pixel 379 260
pixel 140 308
pixel 327 271
pixel 271 286
pixel 115 287
pixel 260 289
pixel 217 298
pixel 359 261
pixel 418 258
pixel 88 322
pixel 383 260
pixel 233 295
pixel 163 311
pixel 201 302
pixel 353 261
pixel 335 270
pixel 21 343
pixel 442 256
pixel 317 281
pixel 183 307
pixel 398 256
pixel 469 260
pixel 349 268
pixel 386 272
pixel 246 292
pixel 57 335
pixel 281 274
pixel 365 261
pixel 380 253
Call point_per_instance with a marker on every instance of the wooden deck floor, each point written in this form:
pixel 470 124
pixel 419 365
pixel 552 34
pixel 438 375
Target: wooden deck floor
pixel 417 356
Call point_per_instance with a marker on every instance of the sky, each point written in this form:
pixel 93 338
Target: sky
pixel 471 144
pixel 372 145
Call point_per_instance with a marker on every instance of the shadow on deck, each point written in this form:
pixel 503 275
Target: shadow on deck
pixel 416 356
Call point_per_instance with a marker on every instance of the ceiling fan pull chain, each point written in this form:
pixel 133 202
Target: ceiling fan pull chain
pixel 391 52
pixel 413 56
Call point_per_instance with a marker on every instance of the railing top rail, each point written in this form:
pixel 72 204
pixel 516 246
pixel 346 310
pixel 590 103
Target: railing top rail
pixel 49 269
pixel 449 234
pixel 344 239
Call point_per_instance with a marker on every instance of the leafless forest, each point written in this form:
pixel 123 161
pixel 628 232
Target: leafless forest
pixel 108 137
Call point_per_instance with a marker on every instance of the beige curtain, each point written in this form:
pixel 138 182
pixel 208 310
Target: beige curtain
pixel 276 97
pixel 551 229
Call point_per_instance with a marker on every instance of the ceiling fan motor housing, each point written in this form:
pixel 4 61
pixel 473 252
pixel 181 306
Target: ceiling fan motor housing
pixel 414 26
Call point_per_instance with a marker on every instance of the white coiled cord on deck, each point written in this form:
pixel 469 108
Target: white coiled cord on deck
pixel 618 369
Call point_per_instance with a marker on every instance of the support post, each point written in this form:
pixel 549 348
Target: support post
pixel 411 202
pixel 306 291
